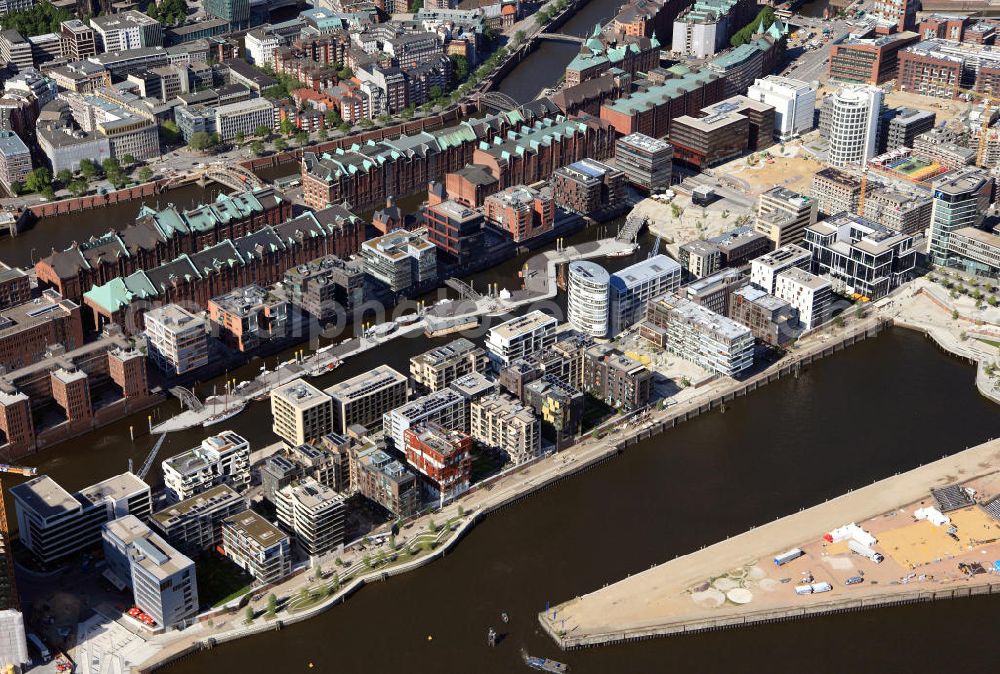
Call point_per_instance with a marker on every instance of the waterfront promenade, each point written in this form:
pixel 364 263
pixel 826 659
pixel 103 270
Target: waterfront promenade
pixel 664 600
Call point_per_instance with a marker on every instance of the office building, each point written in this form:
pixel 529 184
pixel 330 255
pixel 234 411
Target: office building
pixel 247 317
pixel 769 318
pixel 765 269
pixel 78 41
pixel 195 524
pixel 162 580
pixel 362 400
pixel 446 408
pixel 906 125
pixel 436 369
pixel 794 103
pixel 327 288
pixel 15 50
pixel 236 13
pixel 647 162
pixel 974 251
pixel 300 412
pixel 314 513
pixel 401 260
pixel 15 160
pixel 960 200
pixel 219 459
pixel 905 212
pixel 700 258
pixel 854 117
pixel 523 212
pixel 631 289
pixel 244 117
pixel 127 30
pixel 520 337
pixel 53 524
pixel 13 641
pixel 503 423
pixel 456 230
pixel 810 295
pixel 588 186
pixel 443 456
pixel 176 339
pixel 694 333
pixel 715 292
pixel 926 71
pixel 835 191
pixel 29 330
pixel 257 546
pixel 384 480
pixel 588 298
pixel 782 215
pixel 860 257
pixel 611 376
pixel 868 60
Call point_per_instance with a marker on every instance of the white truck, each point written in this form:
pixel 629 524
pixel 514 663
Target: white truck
pixel 865 551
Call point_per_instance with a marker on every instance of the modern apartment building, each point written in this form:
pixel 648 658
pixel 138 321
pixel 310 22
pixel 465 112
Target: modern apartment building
pixel 694 333
pixel 611 376
pixel 860 257
pixel 247 317
pixel 520 337
pixel 854 116
pixel 195 524
pixel 926 71
pixel 503 423
pixel 300 412
pixel 715 292
pixel 126 30
pixel 456 230
pixel 523 212
pixel 632 288
pixel 219 459
pixel 443 456
pixel 436 369
pixel 384 480
pixel 905 212
pixel 587 186
pixel 906 125
pixel 868 60
pixel 588 297
pixel 765 269
pixel 647 162
pixel 782 215
pixel 768 317
pixel 257 546
pixel 327 288
pixel 807 293
pixel 400 260
pixel 960 200
pixel 558 406
pixel 446 408
pixel 835 191
pixel 177 340
pixel 162 579
pixel 362 400
pixel 53 523
pixel 314 514
pixel 15 159
pixel 794 103
pixel 78 40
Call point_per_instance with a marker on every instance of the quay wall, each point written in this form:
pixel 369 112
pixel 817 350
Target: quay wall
pixel 531 486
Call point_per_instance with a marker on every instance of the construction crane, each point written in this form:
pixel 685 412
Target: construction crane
pixel 864 190
pixel 8 552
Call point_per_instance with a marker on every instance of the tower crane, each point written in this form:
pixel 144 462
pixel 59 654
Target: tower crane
pixel 8 552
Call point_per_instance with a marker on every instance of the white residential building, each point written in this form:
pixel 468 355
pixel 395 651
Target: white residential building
pixel 122 31
pixel 854 117
pixel 401 259
pixel 257 546
pixel 176 339
pixel 811 295
pixel 633 287
pixel 260 45
pixel 300 412
pixel 520 337
pixel 794 103
pixel 502 422
pixel 765 269
pixel 695 333
pixel 244 117
pixel 588 297
pixel 446 407
pixel 195 524
pixel 162 579
pixel 53 523
pixel 314 514
pixel 220 459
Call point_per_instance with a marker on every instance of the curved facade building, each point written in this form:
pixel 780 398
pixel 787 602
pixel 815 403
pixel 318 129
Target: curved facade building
pixel 854 115
pixel 588 298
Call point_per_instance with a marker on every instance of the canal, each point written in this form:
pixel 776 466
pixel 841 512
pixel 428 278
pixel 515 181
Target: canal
pixel 790 445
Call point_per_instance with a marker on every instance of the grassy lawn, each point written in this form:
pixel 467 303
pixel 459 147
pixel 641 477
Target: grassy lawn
pixel 220 581
pixel 994 344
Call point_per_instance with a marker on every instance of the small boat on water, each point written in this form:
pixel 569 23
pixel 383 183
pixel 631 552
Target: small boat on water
pixel 227 413
pixel 408 318
pixel 624 253
pixel 544 664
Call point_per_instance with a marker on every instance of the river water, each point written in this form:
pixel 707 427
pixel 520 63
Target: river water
pixel 791 445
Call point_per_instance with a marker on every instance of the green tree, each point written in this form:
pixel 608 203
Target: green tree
pixel 239 138
pixel 416 6
pixel 87 168
pixel 287 127
pixel 332 118
pixel 37 20
pixel 345 73
pixel 257 147
pixel 77 188
pixel 519 37
pixel 345 126
pixel 367 123
pixel 128 159
pixel 248 615
pixel 38 180
pixel 459 69
pixel 145 174
pixel 743 35
pixel 301 138
pixel 200 141
pixel 262 131
pixel 436 92
pixel 322 135
pixel 64 177
pixel 280 145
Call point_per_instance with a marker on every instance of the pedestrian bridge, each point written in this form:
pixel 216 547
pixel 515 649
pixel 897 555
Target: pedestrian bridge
pixel 233 176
